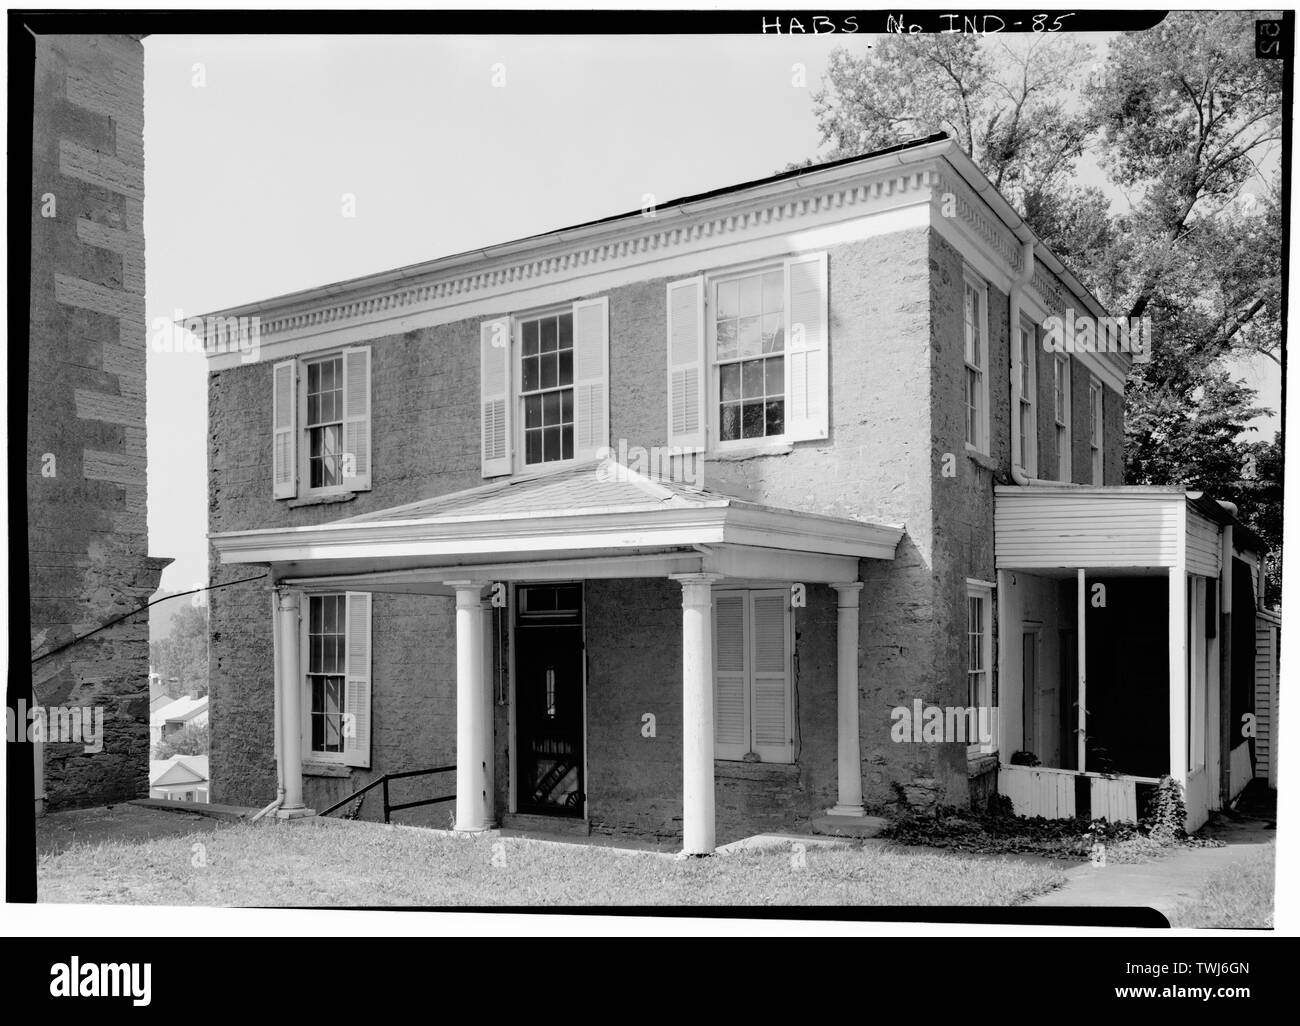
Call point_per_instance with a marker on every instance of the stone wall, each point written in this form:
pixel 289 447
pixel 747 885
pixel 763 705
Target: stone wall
pixel 86 481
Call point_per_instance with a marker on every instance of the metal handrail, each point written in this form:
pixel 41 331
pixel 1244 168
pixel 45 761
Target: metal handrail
pixel 389 807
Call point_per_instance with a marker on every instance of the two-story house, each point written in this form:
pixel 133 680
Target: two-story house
pixel 654 524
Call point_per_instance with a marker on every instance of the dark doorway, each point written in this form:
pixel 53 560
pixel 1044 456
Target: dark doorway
pixel 549 673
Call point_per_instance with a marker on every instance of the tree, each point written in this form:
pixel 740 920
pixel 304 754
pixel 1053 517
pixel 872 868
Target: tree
pixel 183 654
pixel 191 739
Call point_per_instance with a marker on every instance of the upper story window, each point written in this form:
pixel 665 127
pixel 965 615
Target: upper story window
pixel 748 356
pixel 975 325
pixel 748 322
pixel 546 387
pixel 1027 401
pixel 324 423
pixel 320 418
pixel 1061 403
pixel 1095 429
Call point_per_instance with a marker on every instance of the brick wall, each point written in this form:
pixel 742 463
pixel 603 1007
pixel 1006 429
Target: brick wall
pixel 86 409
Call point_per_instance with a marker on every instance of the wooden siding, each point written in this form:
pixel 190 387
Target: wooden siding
pixel 1204 552
pixel 1266 635
pixel 1047 792
pixel 1046 528
pixel 1114 799
pixel 1239 770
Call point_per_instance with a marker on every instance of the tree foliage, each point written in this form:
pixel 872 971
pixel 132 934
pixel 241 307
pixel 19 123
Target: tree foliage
pixel 182 657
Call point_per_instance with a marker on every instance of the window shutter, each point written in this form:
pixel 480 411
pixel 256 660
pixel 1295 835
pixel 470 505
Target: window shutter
pixel 356 418
pixel 494 395
pixel 687 417
pixel 356 700
pixel 773 738
pixel 730 691
pixel 590 377
pixel 284 429
pixel 807 347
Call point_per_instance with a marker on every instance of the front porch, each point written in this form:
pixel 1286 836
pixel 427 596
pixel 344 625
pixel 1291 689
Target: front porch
pixel 1116 649
pixel 546 689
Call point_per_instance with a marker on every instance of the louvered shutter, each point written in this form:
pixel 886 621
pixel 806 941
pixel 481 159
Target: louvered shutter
pixel 770 715
pixel 494 395
pixel 730 676
pixel 356 700
pixel 807 346
pixel 687 416
pixel 356 418
pixel 284 428
pixel 590 377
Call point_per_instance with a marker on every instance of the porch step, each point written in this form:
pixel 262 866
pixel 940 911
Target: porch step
pixel 849 826
pixel 569 826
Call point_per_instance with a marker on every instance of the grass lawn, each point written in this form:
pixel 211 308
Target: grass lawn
pixel 1238 897
pixel 333 863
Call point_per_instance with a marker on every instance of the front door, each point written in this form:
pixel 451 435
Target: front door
pixel 549 693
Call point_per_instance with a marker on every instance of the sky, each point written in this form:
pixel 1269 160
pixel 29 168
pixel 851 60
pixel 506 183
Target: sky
pixel 446 144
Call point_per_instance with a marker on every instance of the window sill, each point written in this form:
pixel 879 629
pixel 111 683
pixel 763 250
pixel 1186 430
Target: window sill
pixel 727 769
pixel 326 769
pixel 321 500
pixel 749 452
pixel 981 459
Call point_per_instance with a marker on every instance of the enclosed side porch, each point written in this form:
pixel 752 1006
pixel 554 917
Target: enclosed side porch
pixel 1117 648
pixel 530 559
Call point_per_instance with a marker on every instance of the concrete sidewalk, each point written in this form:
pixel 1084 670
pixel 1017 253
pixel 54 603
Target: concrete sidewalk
pixel 1165 883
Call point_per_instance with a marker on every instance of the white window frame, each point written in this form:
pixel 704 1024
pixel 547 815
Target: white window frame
pixel 1096 429
pixel 1027 402
pixel 1062 433
pixel 305 491
pixel 713 385
pixel 518 430
pixel 311 754
pixel 749 594
pixel 985 591
pixel 970 280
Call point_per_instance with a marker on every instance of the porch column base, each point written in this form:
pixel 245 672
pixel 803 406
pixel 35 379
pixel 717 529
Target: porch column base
pixel 301 812
pixel 855 811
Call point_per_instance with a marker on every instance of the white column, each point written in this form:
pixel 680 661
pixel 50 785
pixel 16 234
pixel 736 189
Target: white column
pixel 471 710
pixel 849 801
pixel 489 711
pixel 1178 673
pixel 1081 664
pixel 698 823
pixel 289 684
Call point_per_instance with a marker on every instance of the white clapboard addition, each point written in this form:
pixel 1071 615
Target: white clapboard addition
pixel 284 427
pixel 590 377
pixel 687 416
pixel 356 701
pixel 807 311
pixel 494 395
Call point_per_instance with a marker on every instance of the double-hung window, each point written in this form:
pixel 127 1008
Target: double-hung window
pixel 748 351
pixel 748 322
pixel 320 417
pixel 981 691
pixel 753 643
pixel 1061 404
pixel 975 327
pixel 546 387
pixel 1095 429
pixel 1027 401
pixel 336 677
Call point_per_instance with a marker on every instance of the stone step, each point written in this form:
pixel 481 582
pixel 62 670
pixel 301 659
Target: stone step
pixel 849 826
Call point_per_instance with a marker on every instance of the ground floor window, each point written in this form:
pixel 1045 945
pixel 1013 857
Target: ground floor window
pixel 752 717
pixel 336 672
pixel 981 687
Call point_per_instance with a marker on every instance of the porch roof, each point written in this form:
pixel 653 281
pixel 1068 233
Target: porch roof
pixel 597 519
pixel 1049 527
